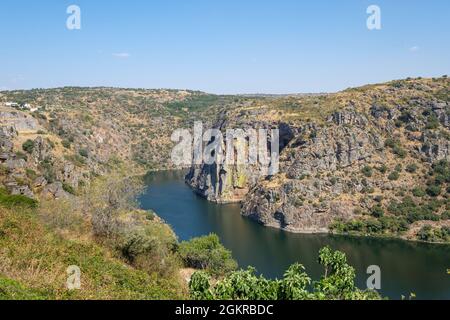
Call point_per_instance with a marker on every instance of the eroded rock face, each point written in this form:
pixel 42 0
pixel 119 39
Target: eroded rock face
pixel 278 207
pixel 18 120
pixel 321 165
pixel 55 190
pixel 225 183
pixel 331 148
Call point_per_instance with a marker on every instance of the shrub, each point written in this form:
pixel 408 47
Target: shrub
pixel 399 151
pixel 66 143
pixel 433 191
pixel 394 175
pixel 68 188
pixel 84 153
pixel 207 253
pixel 28 146
pixel 411 168
pixel 432 122
pixel 445 215
pixel 425 233
pixel 396 147
pixel 383 169
pixel 377 212
pixel 418 192
pixel 367 171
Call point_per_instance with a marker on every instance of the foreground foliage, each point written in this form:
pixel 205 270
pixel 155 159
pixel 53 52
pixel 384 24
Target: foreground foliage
pixel 34 260
pixel 337 283
pixel 207 253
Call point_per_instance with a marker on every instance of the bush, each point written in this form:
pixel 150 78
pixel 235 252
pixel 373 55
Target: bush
pixel 28 146
pixel 432 122
pixel 383 169
pixel 84 153
pixel 445 215
pixel 425 233
pixel 29 243
pixel 66 143
pixel 418 192
pixel 433 191
pixel 68 188
pixel 207 253
pixel 367 171
pixel 377 212
pixel 394 175
pixel 411 168
pixel 396 147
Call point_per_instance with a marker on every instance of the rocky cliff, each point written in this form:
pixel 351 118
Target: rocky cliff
pixel 346 158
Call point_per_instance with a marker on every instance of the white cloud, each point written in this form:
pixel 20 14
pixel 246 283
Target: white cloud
pixel 121 55
pixel 414 49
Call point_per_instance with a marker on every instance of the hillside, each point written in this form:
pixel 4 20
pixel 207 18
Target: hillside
pixel 368 161
pixel 55 141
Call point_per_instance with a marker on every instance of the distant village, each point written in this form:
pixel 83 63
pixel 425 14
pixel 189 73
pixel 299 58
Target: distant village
pixel 22 106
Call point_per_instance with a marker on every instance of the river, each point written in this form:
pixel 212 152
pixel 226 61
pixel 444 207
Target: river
pixel 405 266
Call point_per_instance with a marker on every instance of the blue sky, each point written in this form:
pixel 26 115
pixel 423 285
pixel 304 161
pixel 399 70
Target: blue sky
pixel 232 46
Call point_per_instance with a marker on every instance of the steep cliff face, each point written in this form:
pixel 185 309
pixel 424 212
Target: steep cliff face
pixel 374 146
pixel 226 183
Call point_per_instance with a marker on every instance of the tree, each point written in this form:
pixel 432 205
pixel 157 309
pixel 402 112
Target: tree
pixel 107 197
pixel 207 253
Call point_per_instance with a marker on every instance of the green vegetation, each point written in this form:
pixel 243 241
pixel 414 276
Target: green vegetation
pixel 396 147
pixel 68 188
pixel 432 122
pixel 377 211
pixel 394 175
pixel 66 143
pixel 383 226
pixel 427 233
pixel 367 171
pixel 207 253
pixel 13 290
pixel 337 283
pixel 19 201
pixel 411 168
pixel 83 152
pixel 24 239
pixel 383 169
pixel 418 192
pixel 28 146
pixel 194 103
pixel 123 253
